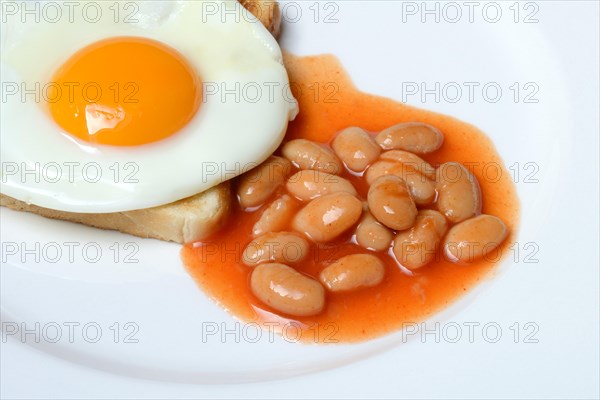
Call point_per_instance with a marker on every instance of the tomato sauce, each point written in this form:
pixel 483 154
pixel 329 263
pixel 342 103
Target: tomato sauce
pixel 403 296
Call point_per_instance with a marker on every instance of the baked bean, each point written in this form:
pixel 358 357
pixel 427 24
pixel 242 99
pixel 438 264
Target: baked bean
pixel 327 217
pixel 356 148
pixel 439 221
pixel 372 235
pixel 415 137
pixel 275 217
pixel 390 202
pixel 305 154
pixel 285 247
pixel 422 190
pixel 310 184
pixel 287 290
pixel 459 196
pixel 381 168
pixel 417 246
pixel 411 161
pixel 353 272
pixel 255 186
pixel 474 238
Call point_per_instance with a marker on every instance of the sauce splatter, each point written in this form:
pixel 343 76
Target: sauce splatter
pixel 330 102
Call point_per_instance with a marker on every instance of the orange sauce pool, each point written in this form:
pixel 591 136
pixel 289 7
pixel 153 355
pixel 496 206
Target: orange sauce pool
pixel 328 103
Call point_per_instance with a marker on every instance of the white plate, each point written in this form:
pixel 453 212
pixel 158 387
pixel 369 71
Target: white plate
pixel 546 312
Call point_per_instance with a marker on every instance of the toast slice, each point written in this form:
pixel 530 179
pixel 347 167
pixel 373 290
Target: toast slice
pixel 183 221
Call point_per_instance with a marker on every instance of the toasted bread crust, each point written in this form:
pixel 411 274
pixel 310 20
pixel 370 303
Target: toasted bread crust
pixel 267 12
pixel 183 221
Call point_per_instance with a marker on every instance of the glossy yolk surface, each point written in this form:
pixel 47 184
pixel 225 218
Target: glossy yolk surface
pixel 329 102
pixel 124 91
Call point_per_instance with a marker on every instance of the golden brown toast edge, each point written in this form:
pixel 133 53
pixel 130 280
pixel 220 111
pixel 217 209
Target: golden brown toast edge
pixel 183 221
pixel 267 12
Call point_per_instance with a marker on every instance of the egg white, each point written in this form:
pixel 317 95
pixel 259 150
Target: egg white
pixel 224 139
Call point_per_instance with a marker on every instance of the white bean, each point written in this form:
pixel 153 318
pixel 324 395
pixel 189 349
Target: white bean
pixel 310 184
pixel 305 154
pixel 287 290
pixel 410 160
pixel 256 185
pixel 390 202
pixel 459 196
pixel 353 272
pixel 373 235
pixel 284 247
pixel 327 217
pixel 422 190
pixel 419 245
pixel 415 137
pixel 475 238
pixel 356 148
pixel 275 217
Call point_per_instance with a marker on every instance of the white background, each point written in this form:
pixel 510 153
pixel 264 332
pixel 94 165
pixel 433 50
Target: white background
pixel 559 294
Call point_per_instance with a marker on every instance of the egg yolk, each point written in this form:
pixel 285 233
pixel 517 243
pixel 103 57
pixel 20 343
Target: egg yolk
pixel 124 91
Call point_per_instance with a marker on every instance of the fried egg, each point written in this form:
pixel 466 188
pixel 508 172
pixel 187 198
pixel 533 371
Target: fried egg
pixel 131 113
